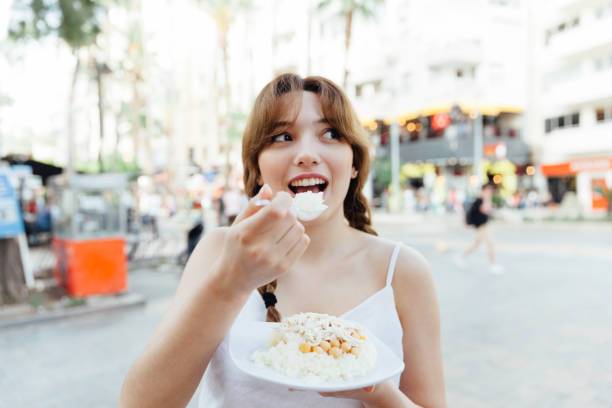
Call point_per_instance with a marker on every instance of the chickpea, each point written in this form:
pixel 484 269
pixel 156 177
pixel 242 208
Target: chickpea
pixel 355 351
pixel 346 347
pixel 318 350
pixel 325 345
pixel 334 352
pixel 304 348
pixel 334 343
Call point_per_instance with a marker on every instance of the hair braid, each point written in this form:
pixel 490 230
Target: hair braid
pixel 357 211
pixel 272 315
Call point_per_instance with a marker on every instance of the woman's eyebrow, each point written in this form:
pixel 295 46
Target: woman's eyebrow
pixel 285 124
pixel 281 124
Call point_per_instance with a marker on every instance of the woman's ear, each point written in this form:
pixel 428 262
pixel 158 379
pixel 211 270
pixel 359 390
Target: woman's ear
pixel 354 173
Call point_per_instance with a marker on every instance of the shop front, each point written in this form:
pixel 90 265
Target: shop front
pixel 589 178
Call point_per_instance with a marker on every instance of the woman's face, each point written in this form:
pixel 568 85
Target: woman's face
pixel 307 155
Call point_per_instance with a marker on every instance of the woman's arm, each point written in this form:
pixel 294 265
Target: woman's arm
pixel 415 297
pixel 226 266
pixel 169 370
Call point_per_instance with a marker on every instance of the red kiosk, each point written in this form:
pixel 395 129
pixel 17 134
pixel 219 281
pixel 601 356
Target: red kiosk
pixel 89 224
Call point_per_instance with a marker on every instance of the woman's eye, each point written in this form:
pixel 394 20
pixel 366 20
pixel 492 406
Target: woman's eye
pixel 283 137
pixel 331 134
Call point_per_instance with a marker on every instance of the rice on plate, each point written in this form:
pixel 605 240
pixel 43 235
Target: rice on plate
pixel 317 348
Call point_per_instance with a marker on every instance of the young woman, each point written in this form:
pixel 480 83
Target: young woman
pixel 302 135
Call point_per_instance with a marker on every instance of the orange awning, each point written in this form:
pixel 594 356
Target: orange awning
pixel 576 166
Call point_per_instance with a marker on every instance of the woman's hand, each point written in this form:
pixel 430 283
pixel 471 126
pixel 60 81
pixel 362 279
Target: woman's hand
pixel 371 396
pixel 263 242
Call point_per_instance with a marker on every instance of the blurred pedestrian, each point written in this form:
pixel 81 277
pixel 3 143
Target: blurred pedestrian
pixel 478 217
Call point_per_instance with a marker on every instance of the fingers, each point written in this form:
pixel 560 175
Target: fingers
pixel 298 249
pixel 290 239
pixel 265 193
pixel 369 388
pixel 276 217
pixel 355 394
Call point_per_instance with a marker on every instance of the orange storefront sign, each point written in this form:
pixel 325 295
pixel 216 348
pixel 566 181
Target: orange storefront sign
pixel 576 166
pixel 599 201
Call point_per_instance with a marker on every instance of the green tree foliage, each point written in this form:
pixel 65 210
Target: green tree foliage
pixel 348 9
pixel 77 22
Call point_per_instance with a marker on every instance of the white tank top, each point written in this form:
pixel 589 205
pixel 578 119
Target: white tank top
pixel 223 385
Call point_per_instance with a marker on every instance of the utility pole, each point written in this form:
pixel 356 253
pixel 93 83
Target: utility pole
pixel 477 128
pixel 394 203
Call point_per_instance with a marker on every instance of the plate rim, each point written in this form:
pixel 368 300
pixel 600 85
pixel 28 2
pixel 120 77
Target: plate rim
pixel 294 383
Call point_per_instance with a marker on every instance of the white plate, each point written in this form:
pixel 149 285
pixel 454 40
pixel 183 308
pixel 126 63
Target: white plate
pixel 246 337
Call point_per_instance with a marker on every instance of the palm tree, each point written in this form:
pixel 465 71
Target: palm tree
pixel 79 27
pixel 224 12
pixel 348 9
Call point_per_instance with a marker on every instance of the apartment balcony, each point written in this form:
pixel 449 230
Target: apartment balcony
pixel 576 142
pixel 581 89
pixel 580 40
pixel 465 53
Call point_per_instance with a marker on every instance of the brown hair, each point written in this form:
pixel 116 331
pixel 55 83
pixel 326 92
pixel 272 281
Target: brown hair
pixel 339 113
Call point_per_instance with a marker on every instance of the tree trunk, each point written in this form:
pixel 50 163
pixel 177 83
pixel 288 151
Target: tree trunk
pixel 347 46
pixel 226 100
pixel 99 73
pixel 12 281
pixel 70 165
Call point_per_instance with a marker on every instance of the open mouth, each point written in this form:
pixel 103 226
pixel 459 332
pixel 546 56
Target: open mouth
pixel 313 184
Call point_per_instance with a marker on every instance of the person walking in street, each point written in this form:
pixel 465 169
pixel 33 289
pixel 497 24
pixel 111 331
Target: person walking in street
pixel 302 135
pixel 478 217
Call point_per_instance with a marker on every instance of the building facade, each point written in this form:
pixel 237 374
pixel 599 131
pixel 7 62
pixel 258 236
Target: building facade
pixel 573 99
pixel 440 67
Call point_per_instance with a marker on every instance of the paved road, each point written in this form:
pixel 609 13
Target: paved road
pixel 538 335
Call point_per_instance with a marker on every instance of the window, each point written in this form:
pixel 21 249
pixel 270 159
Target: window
pixel 603 114
pixel 562 26
pixel 561 121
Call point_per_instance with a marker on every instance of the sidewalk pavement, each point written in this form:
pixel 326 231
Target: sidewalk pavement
pixel 509 219
pixel 23 314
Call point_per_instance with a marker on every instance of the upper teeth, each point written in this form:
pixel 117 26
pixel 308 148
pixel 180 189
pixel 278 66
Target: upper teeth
pixel 307 182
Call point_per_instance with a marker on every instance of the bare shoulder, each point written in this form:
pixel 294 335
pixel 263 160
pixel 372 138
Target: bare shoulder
pixel 411 267
pixel 415 294
pixel 410 264
pixel 412 278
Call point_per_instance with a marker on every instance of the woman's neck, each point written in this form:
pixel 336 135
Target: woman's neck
pixel 325 238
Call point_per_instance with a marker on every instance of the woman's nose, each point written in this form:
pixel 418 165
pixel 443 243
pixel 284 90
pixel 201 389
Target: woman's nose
pixel 306 154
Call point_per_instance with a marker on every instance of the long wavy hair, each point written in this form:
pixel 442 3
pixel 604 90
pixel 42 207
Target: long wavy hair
pixel 338 111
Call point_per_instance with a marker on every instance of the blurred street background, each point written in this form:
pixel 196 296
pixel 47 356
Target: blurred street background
pixel 120 145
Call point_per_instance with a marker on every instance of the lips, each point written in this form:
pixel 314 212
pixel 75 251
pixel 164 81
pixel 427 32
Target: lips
pixel 308 182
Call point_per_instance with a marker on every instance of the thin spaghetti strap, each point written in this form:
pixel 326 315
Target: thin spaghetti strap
pixel 392 263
